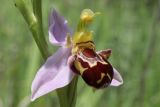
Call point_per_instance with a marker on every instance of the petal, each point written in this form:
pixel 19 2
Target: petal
pixel 55 73
pixel 117 79
pixel 58 28
pixel 105 53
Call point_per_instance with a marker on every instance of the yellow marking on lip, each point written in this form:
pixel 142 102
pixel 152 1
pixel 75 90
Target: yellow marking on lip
pixel 102 76
pixel 95 63
pixel 79 67
pixel 109 76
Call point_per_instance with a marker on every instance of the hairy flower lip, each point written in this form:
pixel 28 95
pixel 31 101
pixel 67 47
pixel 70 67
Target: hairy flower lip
pixel 56 72
pixel 84 64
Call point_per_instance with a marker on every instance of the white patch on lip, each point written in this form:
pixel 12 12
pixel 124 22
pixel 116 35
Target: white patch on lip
pixel 79 67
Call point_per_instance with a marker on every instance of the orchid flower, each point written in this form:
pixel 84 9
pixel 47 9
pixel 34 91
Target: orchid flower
pixel 76 56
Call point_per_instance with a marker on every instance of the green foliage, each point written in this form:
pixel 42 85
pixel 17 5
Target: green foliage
pixel 129 28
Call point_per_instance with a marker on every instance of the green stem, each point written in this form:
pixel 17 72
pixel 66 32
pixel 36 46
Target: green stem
pixel 72 90
pixel 37 9
pixel 33 23
pixel 69 93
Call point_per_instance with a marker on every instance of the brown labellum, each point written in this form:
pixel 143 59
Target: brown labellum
pixel 94 68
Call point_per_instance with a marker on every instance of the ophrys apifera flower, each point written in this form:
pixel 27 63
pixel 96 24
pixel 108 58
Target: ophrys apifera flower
pixel 76 56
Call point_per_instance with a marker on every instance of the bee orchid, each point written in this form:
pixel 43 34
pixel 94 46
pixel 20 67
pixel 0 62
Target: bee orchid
pixel 76 56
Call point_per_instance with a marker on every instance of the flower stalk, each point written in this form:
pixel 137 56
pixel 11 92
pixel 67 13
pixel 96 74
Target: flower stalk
pixel 34 24
pixel 37 9
pixel 32 13
pixel 70 93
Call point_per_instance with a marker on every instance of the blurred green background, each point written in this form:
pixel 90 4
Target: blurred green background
pixel 129 27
